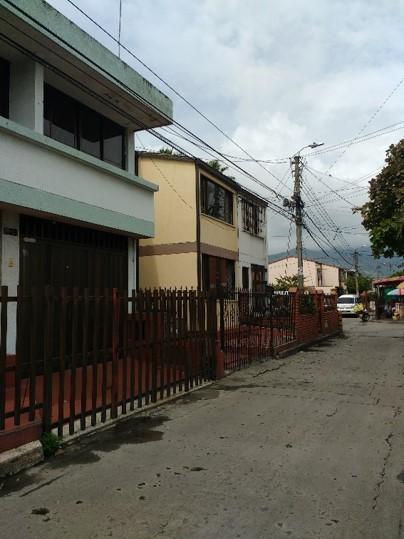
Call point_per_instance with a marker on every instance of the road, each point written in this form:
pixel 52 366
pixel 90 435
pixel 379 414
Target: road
pixel 310 446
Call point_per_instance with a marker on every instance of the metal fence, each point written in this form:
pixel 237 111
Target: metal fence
pixel 253 324
pixel 72 358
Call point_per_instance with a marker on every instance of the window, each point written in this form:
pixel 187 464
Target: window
pixel 90 132
pixel 113 140
pixel 216 200
pixel 319 269
pixel 253 217
pixel 246 278
pixel 258 278
pixel 217 273
pixel 4 87
pixel 78 126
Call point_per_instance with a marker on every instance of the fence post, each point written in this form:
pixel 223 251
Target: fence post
pixel 115 353
pixel 221 316
pixel 270 290
pixel 3 354
pixel 47 359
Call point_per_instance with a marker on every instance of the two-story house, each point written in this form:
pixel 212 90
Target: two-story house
pixel 325 277
pixel 252 224
pixel 196 236
pixel 72 207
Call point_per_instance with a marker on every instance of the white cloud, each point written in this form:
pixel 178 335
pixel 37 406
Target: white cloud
pixel 274 75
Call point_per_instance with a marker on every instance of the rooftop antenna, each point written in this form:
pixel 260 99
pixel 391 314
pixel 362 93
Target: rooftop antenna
pixel 120 26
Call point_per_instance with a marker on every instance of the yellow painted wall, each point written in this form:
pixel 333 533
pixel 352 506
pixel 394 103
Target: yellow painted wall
pixel 178 270
pixel 175 202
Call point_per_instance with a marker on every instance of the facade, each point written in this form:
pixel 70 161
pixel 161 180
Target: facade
pixel 252 225
pixel 72 207
pixel 196 235
pixel 318 275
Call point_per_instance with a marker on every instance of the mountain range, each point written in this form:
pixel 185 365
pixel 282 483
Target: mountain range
pixel 368 265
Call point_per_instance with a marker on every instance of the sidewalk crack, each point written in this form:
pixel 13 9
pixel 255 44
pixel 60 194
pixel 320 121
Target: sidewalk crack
pixel 383 471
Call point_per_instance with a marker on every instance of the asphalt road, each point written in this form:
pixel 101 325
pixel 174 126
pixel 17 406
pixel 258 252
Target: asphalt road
pixel 305 447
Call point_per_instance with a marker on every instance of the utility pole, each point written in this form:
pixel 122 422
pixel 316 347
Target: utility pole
pixel 299 222
pixel 356 266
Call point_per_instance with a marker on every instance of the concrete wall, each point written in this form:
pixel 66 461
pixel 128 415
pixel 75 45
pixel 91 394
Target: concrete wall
pixel 288 267
pixel 26 94
pixel 165 271
pixel 10 270
pixel 175 202
pixel 50 171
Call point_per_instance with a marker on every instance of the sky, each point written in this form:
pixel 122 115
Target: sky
pixel 275 76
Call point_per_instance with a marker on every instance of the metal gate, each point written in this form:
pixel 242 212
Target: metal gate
pixel 254 324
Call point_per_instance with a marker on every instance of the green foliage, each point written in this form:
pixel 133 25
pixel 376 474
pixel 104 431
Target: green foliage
pixel 307 304
pixel 50 443
pixel 383 215
pixel 166 151
pixel 398 273
pixel 365 283
pixel 217 165
pixel 286 282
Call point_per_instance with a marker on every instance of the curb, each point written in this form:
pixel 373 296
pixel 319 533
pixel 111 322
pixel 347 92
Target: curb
pixel 305 345
pixel 20 458
pixel 100 427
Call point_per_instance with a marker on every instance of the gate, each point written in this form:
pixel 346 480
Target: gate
pixel 254 324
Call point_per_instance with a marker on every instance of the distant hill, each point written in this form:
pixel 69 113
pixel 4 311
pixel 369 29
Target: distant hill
pixel 368 265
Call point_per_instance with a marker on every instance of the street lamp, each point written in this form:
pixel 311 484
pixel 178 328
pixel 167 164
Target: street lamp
pixel 298 205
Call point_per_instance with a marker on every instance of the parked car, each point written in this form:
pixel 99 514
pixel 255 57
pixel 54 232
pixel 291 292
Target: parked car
pixel 346 304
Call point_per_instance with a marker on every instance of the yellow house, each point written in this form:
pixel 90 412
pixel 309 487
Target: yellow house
pixel 196 239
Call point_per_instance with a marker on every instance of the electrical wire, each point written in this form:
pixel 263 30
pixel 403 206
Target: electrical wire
pixel 171 88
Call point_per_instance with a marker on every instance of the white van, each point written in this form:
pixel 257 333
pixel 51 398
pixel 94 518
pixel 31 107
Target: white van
pixel 346 303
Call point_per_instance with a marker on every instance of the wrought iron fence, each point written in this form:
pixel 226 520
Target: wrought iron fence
pixel 253 324
pixel 72 358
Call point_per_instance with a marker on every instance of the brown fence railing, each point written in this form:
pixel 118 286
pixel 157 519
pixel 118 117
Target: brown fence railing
pixel 253 324
pixel 72 358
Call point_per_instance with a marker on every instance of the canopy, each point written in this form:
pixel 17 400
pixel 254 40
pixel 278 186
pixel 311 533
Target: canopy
pixel 401 285
pixel 396 292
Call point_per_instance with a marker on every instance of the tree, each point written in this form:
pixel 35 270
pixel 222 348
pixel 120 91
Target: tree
pixel 166 151
pixel 286 282
pixel 383 215
pixel 365 283
pixel 217 165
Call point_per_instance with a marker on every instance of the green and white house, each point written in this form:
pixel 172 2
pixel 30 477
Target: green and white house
pixel 72 208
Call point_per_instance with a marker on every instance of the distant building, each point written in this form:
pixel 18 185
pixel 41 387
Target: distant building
pixel 317 274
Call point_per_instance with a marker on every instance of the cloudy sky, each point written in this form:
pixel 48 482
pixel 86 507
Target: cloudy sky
pixel 276 76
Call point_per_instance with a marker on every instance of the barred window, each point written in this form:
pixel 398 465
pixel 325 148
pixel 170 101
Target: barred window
pixel 253 217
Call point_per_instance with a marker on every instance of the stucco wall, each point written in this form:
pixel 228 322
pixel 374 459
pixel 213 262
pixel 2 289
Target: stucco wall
pixel 288 266
pixel 50 171
pixel 175 202
pixel 178 270
pixel 252 249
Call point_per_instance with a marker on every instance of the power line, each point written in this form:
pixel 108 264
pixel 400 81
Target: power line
pixel 168 85
pixel 274 207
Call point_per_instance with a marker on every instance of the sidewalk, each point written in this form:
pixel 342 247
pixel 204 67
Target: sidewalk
pixel 308 446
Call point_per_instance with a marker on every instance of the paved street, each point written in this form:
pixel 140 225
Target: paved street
pixel 307 446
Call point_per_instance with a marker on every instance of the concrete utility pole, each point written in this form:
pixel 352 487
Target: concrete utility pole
pixel 299 222
pixel 356 266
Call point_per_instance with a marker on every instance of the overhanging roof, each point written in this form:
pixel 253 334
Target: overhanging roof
pixel 36 28
pixel 389 281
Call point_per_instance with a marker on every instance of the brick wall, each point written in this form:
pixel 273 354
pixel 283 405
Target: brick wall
pixel 323 321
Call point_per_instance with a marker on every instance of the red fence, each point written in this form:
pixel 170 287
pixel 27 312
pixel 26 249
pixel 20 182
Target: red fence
pixel 82 357
pixel 72 358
